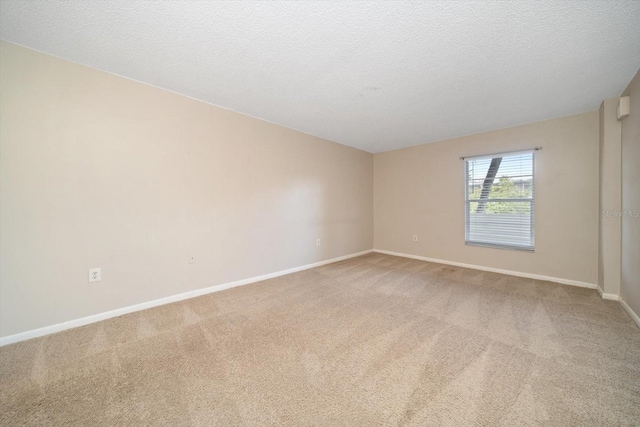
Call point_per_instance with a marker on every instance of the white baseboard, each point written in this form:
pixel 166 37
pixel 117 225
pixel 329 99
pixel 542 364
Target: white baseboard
pixel 22 336
pixel 493 270
pixel 631 313
pixel 612 297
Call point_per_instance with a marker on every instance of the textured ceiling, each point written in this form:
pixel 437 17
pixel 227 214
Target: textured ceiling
pixel 373 75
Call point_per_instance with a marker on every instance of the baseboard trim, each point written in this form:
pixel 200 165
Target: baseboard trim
pixel 629 311
pixel 34 333
pixel 612 297
pixel 493 270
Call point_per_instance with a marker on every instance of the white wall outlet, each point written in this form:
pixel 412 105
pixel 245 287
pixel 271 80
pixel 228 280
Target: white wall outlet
pixel 317 242
pixel 95 275
pixel 415 237
pixel 192 259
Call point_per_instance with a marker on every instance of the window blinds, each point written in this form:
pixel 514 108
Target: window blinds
pixel 499 201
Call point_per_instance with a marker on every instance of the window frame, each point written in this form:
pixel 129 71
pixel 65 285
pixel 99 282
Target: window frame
pixel 467 202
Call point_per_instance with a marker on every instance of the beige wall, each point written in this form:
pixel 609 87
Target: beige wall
pixel 420 190
pixel 610 242
pixel 630 286
pixel 101 171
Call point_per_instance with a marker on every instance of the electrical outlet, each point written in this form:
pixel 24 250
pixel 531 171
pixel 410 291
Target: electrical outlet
pixel 95 275
pixel 192 259
pixel 318 242
pixel 415 237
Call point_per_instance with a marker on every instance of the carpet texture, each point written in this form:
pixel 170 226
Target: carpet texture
pixel 374 340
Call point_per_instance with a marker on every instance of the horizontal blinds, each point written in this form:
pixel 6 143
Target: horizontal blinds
pixel 500 206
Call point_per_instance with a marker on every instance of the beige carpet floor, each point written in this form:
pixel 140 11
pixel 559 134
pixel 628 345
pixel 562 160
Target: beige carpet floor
pixel 374 340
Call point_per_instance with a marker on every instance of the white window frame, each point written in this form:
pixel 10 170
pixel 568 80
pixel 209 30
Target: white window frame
pixel 467 202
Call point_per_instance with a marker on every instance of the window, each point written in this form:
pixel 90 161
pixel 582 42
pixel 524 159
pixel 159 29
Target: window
pixel 499 201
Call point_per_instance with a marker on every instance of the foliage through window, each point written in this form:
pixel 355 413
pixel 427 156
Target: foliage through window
pixel 499 201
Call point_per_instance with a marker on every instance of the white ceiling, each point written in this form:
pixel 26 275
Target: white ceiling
pixel 373 75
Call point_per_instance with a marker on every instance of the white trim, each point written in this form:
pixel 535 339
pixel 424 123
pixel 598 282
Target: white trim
pixel 494 270
pixel 34 333
pixel 631 313
pixel 504 153
pixel 612 297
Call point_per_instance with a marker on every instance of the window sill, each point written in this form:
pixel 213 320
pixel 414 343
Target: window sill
pixel 498 246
